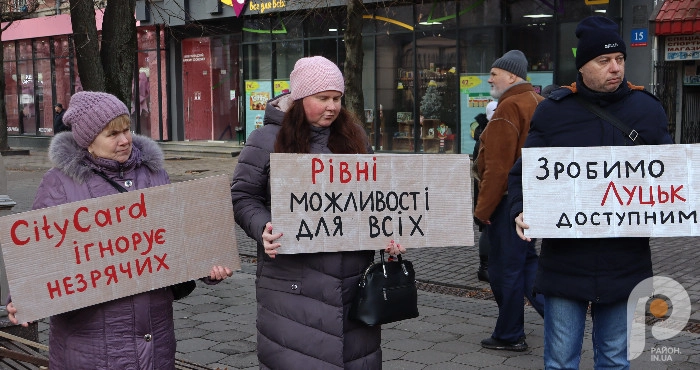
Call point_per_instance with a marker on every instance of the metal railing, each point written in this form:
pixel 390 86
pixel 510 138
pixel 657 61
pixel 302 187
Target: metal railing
pixel 666 75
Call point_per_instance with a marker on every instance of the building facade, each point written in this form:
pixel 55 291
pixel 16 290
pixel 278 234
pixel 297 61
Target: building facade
pixel 676 24
pixel 207 67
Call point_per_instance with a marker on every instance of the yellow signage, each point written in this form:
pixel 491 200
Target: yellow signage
pixel 596 2
pixel 467 82
pixel 280 86
pixel 251 86
pixel 263 6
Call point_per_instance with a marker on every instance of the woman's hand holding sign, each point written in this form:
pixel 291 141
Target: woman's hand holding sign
pixel 269 241
pixel 394 248
pixel 220 273
pixel 11 315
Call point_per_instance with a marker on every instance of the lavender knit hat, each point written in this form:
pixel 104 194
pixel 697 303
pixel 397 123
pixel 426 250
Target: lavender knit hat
pixel 313 75
pixel 89 113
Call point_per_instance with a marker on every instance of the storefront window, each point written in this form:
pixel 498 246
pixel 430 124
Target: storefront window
pixel 374 116
pixel 394 19
pixel 225 87
pixel 288 26
pixel 482 46
pixel 436 83
pixel 257 29
pixel 426 64
pixel 288 52
pixel 9 51
pixel 575 11
pixel 566 62
pixel 62 70
pixel 435 16
pixel 387 93
pixel 333 49
pixel 258 61
pixel 11 95
pixel 27 108
pixel 257 78
pixel 518 12
pixel 479 13
pixel 43 96
pixel 535 41
pixel 147 106
pixel 323 23
pixel 400 110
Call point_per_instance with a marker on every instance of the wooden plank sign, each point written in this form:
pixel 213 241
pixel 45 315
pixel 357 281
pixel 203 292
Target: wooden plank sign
pixel 79 254
pixel 346 202
pixel 605 192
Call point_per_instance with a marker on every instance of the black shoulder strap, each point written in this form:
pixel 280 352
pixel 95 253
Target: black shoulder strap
pixel 631 133
pixel 110 181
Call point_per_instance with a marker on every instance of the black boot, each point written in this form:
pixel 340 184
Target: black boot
pixel 483 273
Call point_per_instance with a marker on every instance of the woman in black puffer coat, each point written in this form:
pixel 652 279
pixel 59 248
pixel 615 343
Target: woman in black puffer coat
pixel 304 299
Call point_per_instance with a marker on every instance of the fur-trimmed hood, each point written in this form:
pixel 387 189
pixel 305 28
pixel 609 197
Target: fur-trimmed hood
pixel 276 108
pixel 67 156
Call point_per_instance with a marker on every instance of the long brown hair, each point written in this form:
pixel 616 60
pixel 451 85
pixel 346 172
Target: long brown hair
pixel 346 136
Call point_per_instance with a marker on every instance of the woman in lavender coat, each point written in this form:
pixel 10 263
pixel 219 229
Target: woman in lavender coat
pixel 135 332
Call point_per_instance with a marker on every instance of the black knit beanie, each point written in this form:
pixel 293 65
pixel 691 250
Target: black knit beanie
pixel 597 36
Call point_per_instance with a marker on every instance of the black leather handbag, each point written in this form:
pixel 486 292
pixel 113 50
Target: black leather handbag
pixel 387 293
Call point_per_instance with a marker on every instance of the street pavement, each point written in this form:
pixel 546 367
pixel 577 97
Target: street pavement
pixel 215 325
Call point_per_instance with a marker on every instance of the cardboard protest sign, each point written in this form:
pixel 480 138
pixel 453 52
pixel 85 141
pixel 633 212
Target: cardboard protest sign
pixel 79 254
pixel 346 202
pixel 622 191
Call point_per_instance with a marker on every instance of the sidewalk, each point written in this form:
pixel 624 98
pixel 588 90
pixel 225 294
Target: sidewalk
pixel 215 325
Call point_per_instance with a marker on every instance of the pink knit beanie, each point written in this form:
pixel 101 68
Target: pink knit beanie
pixel 313 75
pixel 89 113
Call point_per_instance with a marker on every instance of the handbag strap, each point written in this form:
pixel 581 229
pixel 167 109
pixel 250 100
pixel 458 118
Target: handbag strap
pixel 400 261
pixel 110 181
pixel 381 253
pixel 632 134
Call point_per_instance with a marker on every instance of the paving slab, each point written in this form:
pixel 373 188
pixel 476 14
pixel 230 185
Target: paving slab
pixel 215 325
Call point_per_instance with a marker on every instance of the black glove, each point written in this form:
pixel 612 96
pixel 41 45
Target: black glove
pixel 480 224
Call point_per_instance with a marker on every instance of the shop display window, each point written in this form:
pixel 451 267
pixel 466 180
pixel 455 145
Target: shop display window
pixel 257 29
pixel 11 93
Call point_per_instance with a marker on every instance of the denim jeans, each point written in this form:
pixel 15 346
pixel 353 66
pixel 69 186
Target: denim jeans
pixel 512 270
pixel 564 323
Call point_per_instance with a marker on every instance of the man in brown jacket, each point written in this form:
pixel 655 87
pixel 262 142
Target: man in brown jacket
pixel 512 261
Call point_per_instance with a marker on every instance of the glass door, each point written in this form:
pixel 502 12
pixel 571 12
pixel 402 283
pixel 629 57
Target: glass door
pixel 197 89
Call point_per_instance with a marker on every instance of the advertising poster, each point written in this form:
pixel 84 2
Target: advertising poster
pixel 257 94
pixel 475 94
pixel 281 87
pixel 691 73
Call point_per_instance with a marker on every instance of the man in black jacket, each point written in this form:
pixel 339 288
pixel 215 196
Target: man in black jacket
pixel 596 274
pixel 58 125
